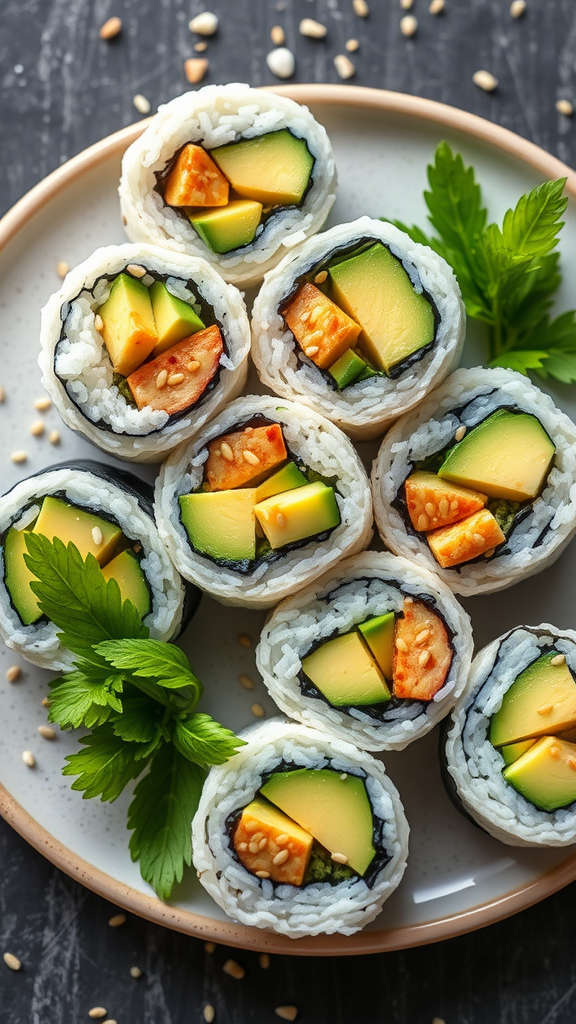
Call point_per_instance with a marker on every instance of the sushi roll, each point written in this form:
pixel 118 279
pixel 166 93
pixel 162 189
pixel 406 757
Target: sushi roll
pixel 377 650
pixel 140 346
pixel 229 173
pixel 511 746
pixel 104 512
pixel 360 323
pixel 300 833
pixel 479 483
pixel 265 500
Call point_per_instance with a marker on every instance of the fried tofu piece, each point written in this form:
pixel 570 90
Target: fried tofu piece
pixel 323 330
pixel 271 845
pixel 177 378
pixel 195 180
pixel 422 652
pixel 432 502
pixel 244 457
pixel 463 541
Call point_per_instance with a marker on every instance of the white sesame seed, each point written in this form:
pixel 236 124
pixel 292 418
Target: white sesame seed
pixel 430 510
pixel 423 522
pixel 136 270
pixel 233 968
pixel 344 67
pixel 111 28
pixel 209 1013
pixel 436 6
pixel 161 379
pixel 564 107
pixel 251 458
pixel 46 732
pixel 312 350
pixel 109 1020
pixel 42 404
pixel 281 857
pixel 281 62
pixel 264 961
pixel 438 1020
pixel 141 103
pixel 422 636
pixel 258 711
pixel 339 858
pixel 2 394
pixel 244 640
pixel 485 80
pixel 227 452
pixel 401 645
pixel 262 874
pixel 459 433
pixel 201 46
pixel 97 1012
pixel 19 456
pixel 286 1012
pixel 406 4
pixel 351 45
pixel 209 947
pixel 28 758
pixel 97 535
pixel 409 25
pixel 117 920
pixel 12 961
pixel 558 659
pixel 194 365
pixel 135 972
pixel 205 24
pixel 54 437
pixel 360 8
pixel 246 682
pixel 277 35
pixel 62 268
pixel 13 673
pixel 195 69
pixel 280 520
pixel 517 8
pixel 343 777
pixel 423 658
pixel 98 323
pixel 312 29
pixel 175 379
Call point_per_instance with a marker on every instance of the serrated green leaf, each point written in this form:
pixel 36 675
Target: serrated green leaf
pixel 141 722
pixel 152 659
pixel 454 200
pixel 522 361
pixel 160 819
pixel 558 337
pixel 532 227
pixel 199 738
pixel 104 767
pixel 80 699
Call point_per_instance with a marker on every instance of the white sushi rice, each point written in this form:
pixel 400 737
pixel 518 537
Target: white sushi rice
pixel 316 908
pixel 77 371
pixel 476 766
pixel 322 448
pixel 366 585
pixel 215 116
pixel 367 408
pixel 38 643
pixel 467 398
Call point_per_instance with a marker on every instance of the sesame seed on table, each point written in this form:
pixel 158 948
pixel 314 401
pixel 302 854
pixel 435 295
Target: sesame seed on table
pixel 70 74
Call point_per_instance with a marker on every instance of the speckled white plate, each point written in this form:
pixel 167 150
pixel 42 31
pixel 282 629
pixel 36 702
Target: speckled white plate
pixel 458 878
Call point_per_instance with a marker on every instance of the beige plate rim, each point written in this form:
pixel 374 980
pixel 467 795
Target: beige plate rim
pixel 147 906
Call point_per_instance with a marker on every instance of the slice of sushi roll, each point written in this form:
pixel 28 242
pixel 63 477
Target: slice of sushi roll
pixel 377 650
pixel 266 499
pixel 105 513
pixel 140 347
pixel 478 484
pixel 229 173
pixel 511 747
pixel 300 833
pixel 360 323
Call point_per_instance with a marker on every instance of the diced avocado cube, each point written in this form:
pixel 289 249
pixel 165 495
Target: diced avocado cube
pixel 274 169
pixel 129 331
pixel 512 751
pixel 333 806
pixel 18 577
pixel 508 456
pixel 90 533
pixel 297 514
pixel 262 819
pixel 541 700
pixel 373 288
pixel 379 635
pixel 546 774
pixel 127 572
pixel 344 670
pixel 175 319
pixel 221 523
pixel 225 228
pixel 347 369
pixel 284 480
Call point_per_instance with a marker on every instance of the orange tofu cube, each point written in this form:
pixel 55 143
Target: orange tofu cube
pixel 422 652
pixel 195 180
pixel 177 378
pixel 433 502
pixel 271 845
pixel 463 541
pixel 323 330
pixel 244 457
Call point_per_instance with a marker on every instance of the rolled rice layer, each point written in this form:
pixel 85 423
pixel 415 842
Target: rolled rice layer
pixel 367 408
pixel 366 585
pixel 77 371
pixel 476 766
pixel 321 447
pixel 101 495
pixel 466 398
pixel 215 116
pixel 319 907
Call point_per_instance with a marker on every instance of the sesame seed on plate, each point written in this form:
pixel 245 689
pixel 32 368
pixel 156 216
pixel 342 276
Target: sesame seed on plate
pixel 62 268
pixel 19 456
pixel 28 758
pixel 246 682
pixel 286 1012
pixel 277 35
pixel 344 67
pixel 406 4
pixel 13 673
pixel 436 6
pixel 135 972
pixel 244 640
pixel 360 8
pixel 234 969
pixel 281 62
pixel 46 732
pixel 517 8
pixel 351 45
pixel 409 25
pixel 564 107
pixel 258 711
pixel 37 428
pixel 312 29
pixel 485 80
pixel 97 1012
pixel 54 437
pixel 209 947
pixel 264 961
pixel 209 1013
pixel 43 404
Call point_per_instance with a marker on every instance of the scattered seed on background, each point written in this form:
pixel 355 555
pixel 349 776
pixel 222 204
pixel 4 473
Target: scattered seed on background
pixel 135 972
pixel 277 35
pixel 42 404
pixel 54 437
pixel 517 8
pixel 246 682
pixel 2 394
pixel 62 268
pixel 234 969
pixel 19 456
pixel 485 80
pixel 97 1012
pixel 109 1020
pixel 12 961
pixel 360 8
pixel 205 24
pixel 564 107
pixel 258 711
pixel 244 640
pixel 286 1012
pixel 406 5
pixel 28 758
pixel 344 66
pixel 111 28
pixel 37 428
pixel 438 1020
pixel 13 673
pixel 141 103
pixel 46 732
pixel 209 1013
pixel 201 46
pixel 195 68
pixel 436 6
pixel 281 62
pixel 312 29
pixel 209 947
pixel 117 920
pixel 351 45
pixel 408 25
pixel 264 961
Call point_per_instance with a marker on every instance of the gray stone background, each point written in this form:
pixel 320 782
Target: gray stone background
pixel 61 89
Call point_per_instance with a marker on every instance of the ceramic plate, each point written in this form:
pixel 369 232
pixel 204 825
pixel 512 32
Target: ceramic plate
pixel 458 878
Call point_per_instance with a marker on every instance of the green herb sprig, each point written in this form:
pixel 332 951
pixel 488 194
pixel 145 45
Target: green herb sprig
pixel 509 274
pixel 138 698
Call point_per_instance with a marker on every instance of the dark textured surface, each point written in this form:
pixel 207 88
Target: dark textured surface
pixel 62 88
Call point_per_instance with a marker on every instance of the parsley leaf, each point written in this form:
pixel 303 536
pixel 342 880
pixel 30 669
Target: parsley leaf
pixel 202 740
pixel 141 721
pixel 165 801
pixel 522 361
pixel 105 767
pixel 80 699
